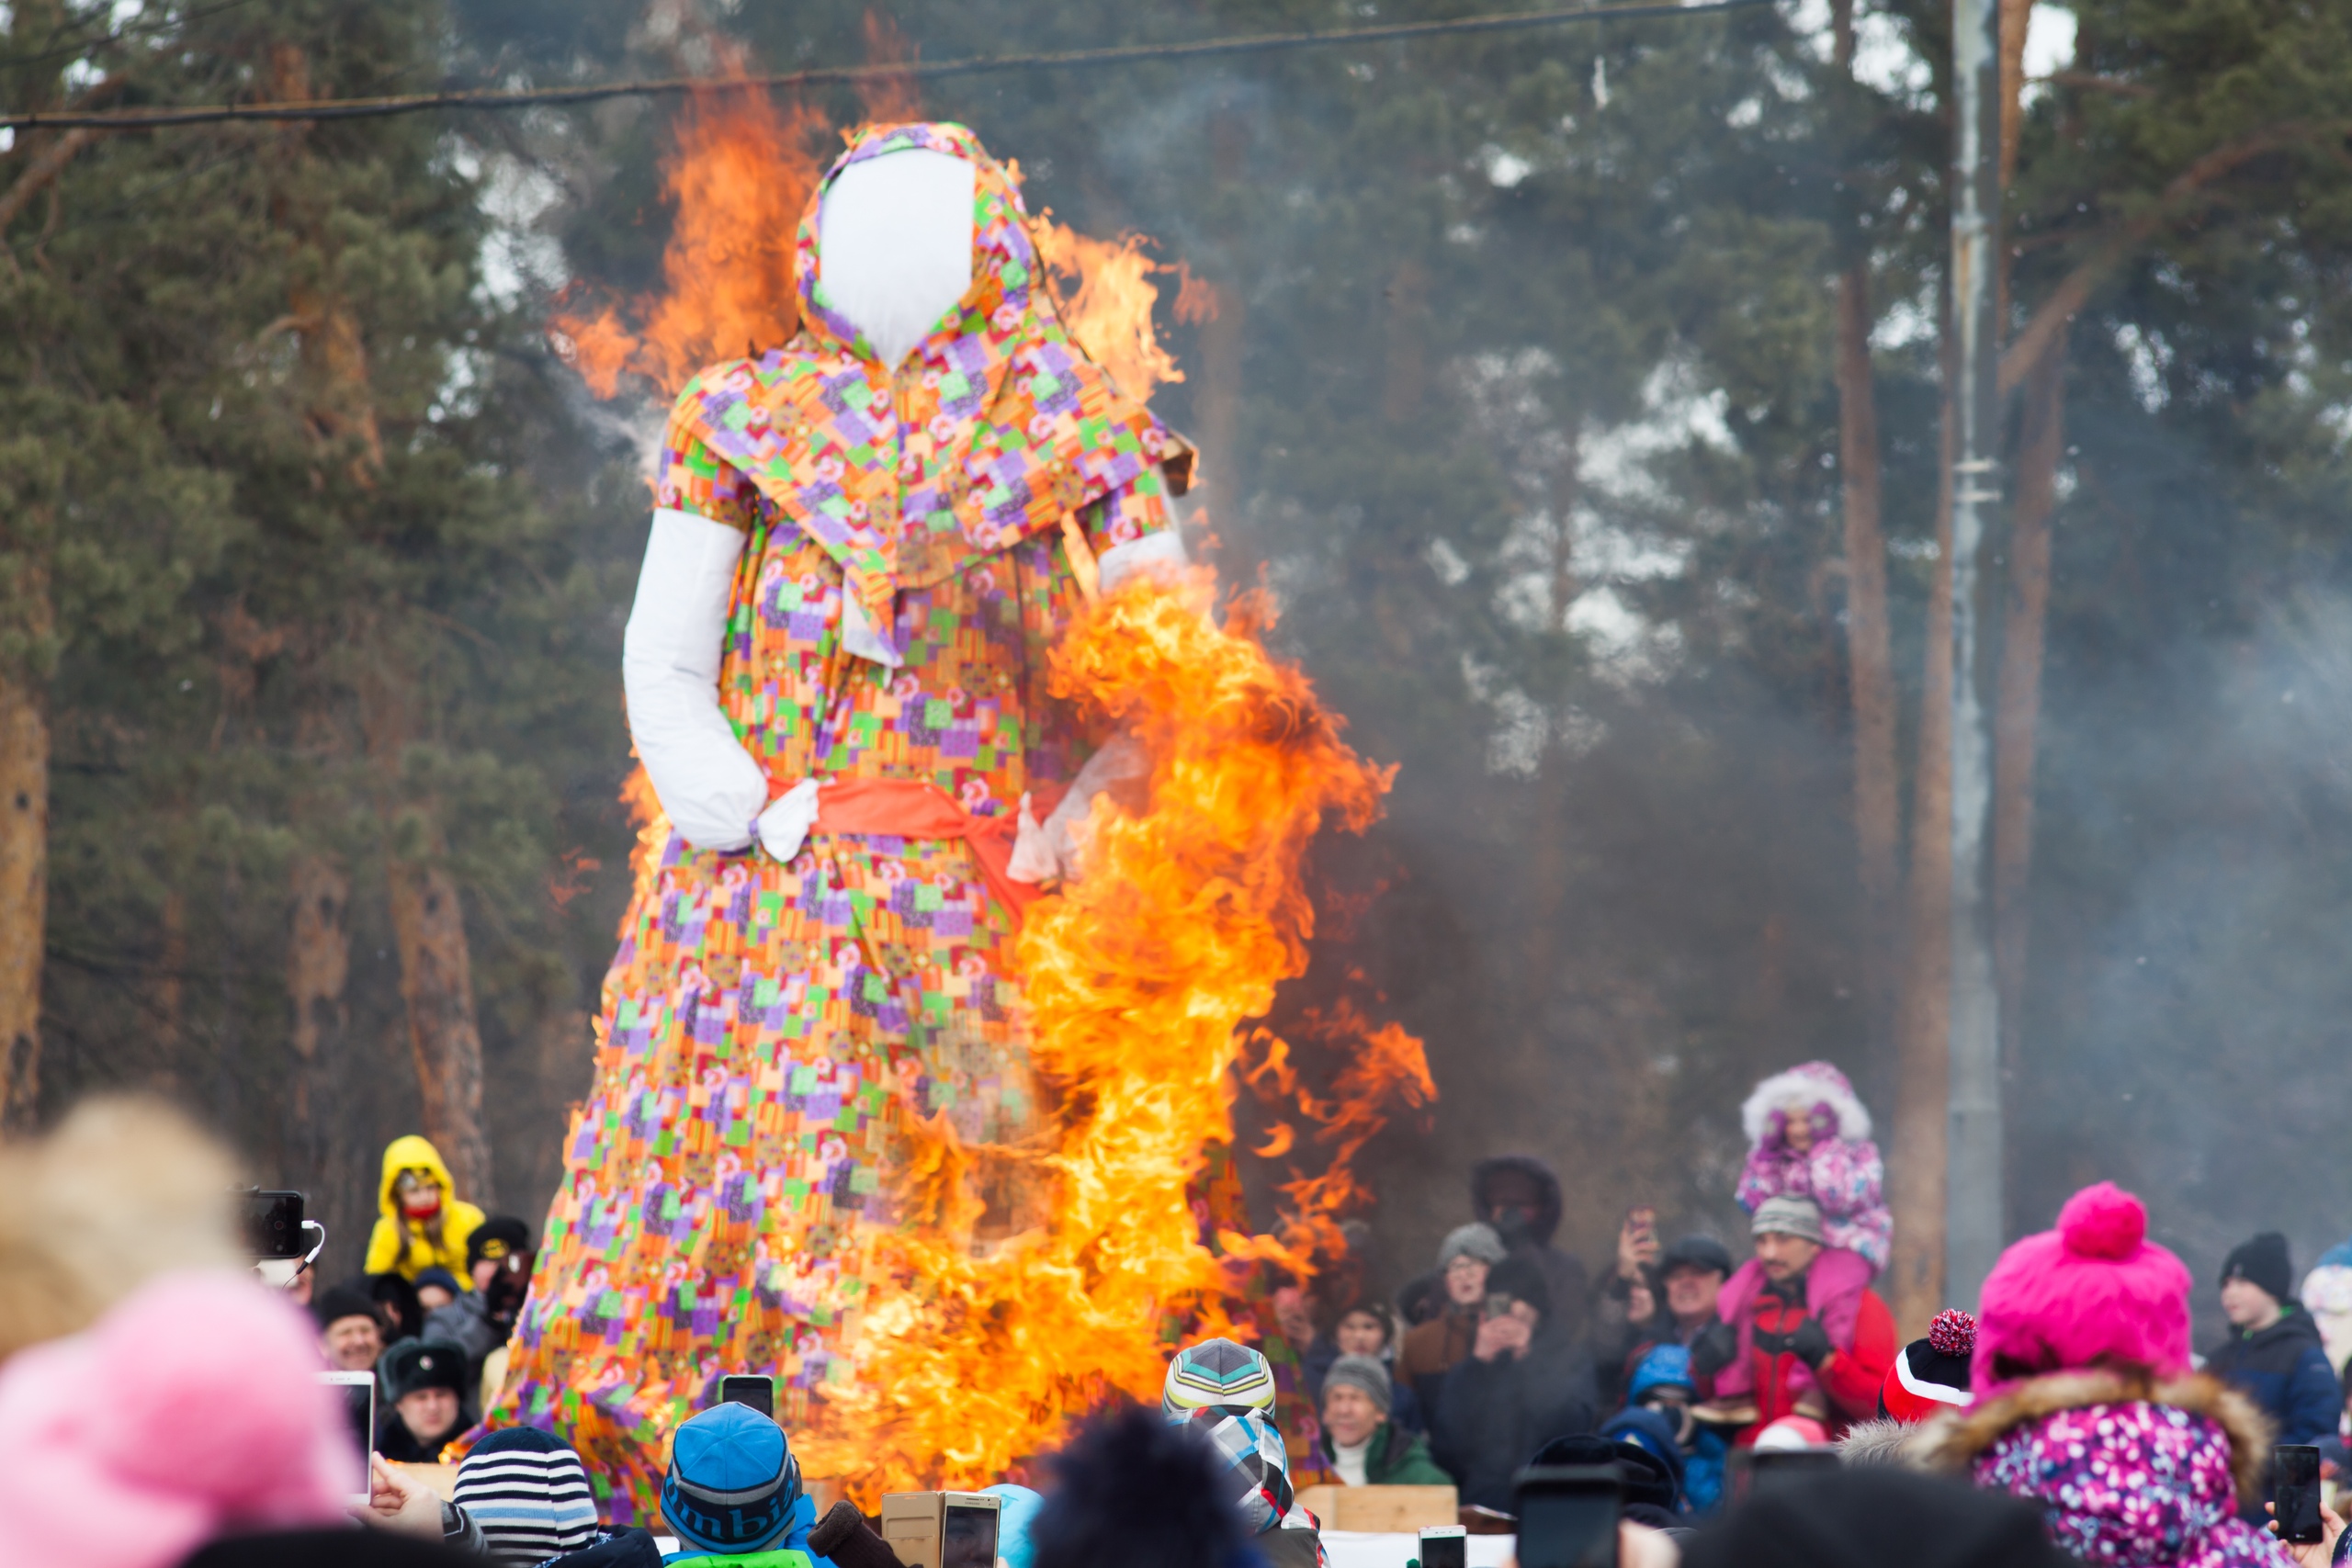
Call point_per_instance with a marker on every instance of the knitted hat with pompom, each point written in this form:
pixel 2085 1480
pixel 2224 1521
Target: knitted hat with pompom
pixel 2094 1291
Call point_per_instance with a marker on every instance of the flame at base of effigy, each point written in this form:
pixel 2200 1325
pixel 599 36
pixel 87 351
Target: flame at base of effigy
pixel 1137 977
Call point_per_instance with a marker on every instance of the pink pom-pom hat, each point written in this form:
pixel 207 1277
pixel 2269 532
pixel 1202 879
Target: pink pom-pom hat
pixel 2094 1291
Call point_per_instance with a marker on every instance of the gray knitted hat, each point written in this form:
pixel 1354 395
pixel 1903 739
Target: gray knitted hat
pixel 1788 1216
pixel 1364 1372
pixel 1474 1240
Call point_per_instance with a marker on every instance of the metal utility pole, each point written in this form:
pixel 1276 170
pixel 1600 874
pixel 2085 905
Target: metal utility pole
pixel 1972 1196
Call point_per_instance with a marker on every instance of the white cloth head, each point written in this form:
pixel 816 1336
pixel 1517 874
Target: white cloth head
pixel 894 245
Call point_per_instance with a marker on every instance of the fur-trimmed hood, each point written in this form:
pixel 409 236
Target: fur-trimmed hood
pixel 1963 1442
pixel 1547 1192
pixel 1806 1084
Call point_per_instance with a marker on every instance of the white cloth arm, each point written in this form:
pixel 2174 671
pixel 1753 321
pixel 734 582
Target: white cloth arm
pixel 709 786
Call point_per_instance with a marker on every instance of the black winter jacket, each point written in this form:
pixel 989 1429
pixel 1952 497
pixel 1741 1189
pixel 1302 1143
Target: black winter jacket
pixel 1491 1416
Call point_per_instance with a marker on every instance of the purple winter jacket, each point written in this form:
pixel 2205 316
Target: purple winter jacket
pixel 2129 1469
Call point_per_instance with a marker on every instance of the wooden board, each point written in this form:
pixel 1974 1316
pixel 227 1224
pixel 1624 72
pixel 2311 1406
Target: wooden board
pixel 1386 1509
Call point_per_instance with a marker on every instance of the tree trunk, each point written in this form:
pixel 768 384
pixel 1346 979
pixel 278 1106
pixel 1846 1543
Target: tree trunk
pixel 24 894
pixel 429 928
pixel 2016 15
pixel 436 983
pixel 171 1074
pixel 2042 442
pixel 1877 809
pixel 1915 1188
pixel 318 963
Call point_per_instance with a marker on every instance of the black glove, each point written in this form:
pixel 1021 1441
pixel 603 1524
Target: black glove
pixel 1811 1343
pixel 845 1537
pixel 1717 1347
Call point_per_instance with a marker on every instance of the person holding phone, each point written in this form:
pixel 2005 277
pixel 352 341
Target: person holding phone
pixel 1436 1348
pixel 1525 1382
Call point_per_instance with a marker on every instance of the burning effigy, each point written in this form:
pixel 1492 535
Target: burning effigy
pixel 973 839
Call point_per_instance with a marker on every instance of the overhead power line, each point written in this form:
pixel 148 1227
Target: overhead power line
pixel 142 118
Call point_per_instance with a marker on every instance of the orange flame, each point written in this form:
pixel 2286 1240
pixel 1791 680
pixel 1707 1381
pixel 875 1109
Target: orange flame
pixel 1379 1066
pixel 653 834
pixel 741 173
pixel 1108 300
pixel 1136 977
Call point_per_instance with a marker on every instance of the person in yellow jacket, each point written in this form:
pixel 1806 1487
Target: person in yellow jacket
pixel 424 1222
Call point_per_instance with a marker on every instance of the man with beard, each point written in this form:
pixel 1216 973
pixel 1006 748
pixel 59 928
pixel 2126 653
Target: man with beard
pixel 1801 1332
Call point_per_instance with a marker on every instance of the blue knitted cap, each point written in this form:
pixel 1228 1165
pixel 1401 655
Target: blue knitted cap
pixel 732 1480
pixel 1668 1366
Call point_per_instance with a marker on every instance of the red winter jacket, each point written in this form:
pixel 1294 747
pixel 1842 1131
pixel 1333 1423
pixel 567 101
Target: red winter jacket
pixel 1850 1375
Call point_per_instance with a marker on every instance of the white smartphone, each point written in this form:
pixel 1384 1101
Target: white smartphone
pixel 358 1392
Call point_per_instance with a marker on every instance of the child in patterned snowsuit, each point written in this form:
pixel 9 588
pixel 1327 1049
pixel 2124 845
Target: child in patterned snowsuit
pixel 1809 1137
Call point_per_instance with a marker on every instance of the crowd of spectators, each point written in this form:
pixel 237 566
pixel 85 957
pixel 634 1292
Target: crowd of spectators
pixel 179 1417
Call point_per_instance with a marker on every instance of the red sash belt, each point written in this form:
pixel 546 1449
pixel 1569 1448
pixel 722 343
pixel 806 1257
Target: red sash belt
pixel 909 809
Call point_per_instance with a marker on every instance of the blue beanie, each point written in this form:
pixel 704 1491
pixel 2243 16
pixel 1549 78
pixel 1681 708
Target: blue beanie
pixel 732 1484
pixel 1668 1366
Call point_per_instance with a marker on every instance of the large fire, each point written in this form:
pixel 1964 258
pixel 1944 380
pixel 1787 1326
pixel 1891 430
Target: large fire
pixel 1138 978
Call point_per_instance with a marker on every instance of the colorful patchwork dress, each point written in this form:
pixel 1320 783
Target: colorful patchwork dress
pixel 768 1029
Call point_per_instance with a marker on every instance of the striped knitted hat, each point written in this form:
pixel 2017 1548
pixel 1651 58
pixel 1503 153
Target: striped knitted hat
pixel 1216 1375
pixel 733 1484
pixel 530 1494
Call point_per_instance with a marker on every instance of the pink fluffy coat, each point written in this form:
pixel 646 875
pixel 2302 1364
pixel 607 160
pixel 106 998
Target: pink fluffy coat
pixel 1843 1175
pixel 1833 1292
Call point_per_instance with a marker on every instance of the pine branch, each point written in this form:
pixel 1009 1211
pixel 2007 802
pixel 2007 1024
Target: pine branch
pixel 2048 323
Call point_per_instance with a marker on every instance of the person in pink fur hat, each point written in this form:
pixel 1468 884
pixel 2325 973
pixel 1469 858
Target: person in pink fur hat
pixel 2085 1402
pixel 1809 1136
pixel 192 1409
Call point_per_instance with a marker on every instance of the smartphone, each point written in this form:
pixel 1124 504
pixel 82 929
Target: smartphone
pixel 1568 1516
pixel 968 1536
pixel 1498 1306
pixel 1640 1221
pixel 2294 1492
pixel 274 1225
pixel 941 1529
pixel 1445 1546
pixel 358 1392
pixel 756 1391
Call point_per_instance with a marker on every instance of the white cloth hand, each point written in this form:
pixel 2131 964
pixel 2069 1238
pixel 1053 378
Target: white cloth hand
pixel 783 826
pixel 1056 848
pixel 709 788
